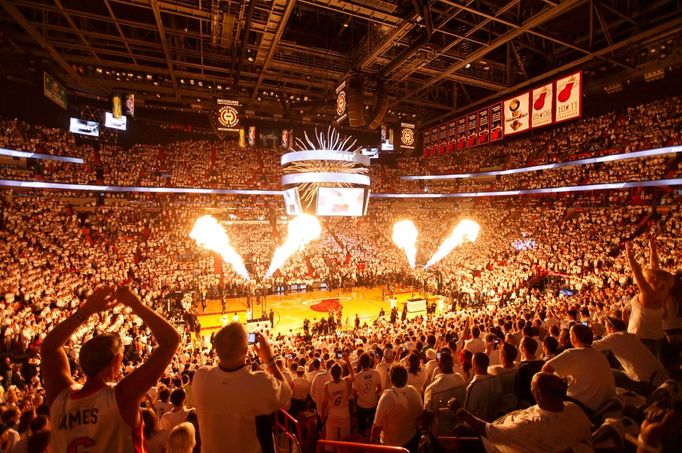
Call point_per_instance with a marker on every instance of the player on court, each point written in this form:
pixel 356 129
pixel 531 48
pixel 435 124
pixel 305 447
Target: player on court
pixel 102 416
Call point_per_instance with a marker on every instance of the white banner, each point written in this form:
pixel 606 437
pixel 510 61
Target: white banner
pixel 516 114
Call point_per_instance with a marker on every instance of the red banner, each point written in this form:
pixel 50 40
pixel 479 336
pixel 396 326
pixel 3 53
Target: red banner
pixel 496 129
pixel 461 132
pixel 483 126
pixel 452 136
pixel 472 129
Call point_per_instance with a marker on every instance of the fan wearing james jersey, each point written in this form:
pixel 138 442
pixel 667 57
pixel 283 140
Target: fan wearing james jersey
pixel 335 406
pixel 367 388
pixel 102 416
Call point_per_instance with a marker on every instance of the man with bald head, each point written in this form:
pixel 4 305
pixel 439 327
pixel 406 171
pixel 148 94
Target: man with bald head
pixel 553 424
pixel 229 396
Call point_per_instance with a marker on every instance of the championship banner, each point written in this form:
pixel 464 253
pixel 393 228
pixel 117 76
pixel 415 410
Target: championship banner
pixel 461 132
pixel 242 138
pixel 341 103
pixel 251 138
pixel 407 135
pixel 541 112
pixel 496 122
pixel 483 126
pixel 227 115
pixel 569 97
pixel 452 136
pixel 516 114
pixel 443 139
pixel 129 106
pixel 285 139
pixel 472 131
pixel 54 90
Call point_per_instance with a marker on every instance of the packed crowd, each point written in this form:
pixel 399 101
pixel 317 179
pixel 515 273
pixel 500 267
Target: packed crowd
pixel 89 285
pixel 212 164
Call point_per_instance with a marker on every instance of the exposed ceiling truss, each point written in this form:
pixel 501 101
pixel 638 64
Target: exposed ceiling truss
pixel 285 57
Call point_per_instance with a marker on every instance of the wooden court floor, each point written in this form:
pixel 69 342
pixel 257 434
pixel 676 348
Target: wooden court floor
pixel 291 309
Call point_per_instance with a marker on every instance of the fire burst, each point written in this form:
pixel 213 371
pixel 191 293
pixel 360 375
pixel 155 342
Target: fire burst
pixel 209 234
pixel 405 237
pixel 301 230
pixel 466 230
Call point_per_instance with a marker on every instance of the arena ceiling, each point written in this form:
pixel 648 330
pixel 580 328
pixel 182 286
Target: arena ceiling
pixel 282 59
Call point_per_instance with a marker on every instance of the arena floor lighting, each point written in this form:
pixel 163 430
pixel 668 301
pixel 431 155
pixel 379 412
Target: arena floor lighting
pixel 573 163
pixel 99 188
pixel 507 193
pixel 30 155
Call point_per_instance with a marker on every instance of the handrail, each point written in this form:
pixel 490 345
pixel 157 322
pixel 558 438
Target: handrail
pixel 356 446
pixel 281 426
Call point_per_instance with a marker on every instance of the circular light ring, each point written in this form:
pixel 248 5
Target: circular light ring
pixel 325 154
pixel 325 177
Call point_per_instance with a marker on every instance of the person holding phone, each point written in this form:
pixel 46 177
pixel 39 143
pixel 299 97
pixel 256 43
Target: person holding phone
pixel 229 396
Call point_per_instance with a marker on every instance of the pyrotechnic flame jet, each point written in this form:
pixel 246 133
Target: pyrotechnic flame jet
pixel 405 237
pixel 209 234
pixel 465 230
pixel 301 230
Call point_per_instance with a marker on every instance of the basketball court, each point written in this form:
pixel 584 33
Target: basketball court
pixel 291 309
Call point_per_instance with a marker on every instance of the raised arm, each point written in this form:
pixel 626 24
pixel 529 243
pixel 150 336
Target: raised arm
pixel 131 390
pixel 54 365
pixel 636 270
pixel 653 251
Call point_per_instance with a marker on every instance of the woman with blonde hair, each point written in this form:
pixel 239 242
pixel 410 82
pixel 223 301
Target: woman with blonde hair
pixel 181 439
pixel 647 307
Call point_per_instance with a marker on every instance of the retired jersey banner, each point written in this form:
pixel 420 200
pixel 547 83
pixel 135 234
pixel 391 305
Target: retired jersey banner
pixel 54 90
pixel 516 114
pixel 426 142
pixel 483 126
pixel 461 132
pixel 452 136
pixel 541 111
pixel 569 97
pixel 472 129
pixel 496 129
pixel 227 115
pixel 443 134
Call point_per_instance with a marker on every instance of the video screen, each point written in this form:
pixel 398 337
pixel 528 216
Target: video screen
pixel 78 126
pixel 292 202
pixel 373 153
pixel 340 201
pixel 115 123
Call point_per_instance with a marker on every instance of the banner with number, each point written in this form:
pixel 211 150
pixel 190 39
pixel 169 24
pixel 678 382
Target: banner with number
pixel 472 129
pixel 483 126
pixel 517 114
pixel 461 132
pixel 541 108
pixel 569 96
pixel 496 126
pixel 452 136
